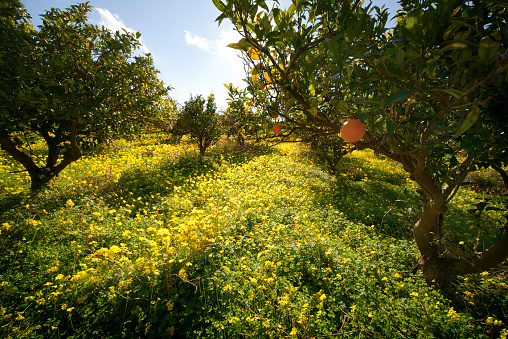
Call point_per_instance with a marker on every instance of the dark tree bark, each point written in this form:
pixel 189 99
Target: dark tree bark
pixel 40 176
pixel 441 270
pixel 203 143
pixel 502 173
pixel 436 269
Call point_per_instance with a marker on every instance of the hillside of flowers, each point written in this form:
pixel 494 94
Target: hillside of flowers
pixel 146 239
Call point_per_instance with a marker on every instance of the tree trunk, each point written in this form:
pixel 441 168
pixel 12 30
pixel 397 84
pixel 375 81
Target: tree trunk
pixel 440 271
pixel 40 177
pixel 239 139
pixel 333 161
pixel 502 173
pixel 201 145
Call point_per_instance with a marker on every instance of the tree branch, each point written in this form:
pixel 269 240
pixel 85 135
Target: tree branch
pixel 8 146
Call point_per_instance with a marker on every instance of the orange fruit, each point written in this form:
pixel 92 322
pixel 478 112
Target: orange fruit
pixel 277 129
pixel 352 130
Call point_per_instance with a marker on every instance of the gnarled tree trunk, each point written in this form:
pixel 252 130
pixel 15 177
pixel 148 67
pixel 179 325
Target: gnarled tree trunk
pixel 439 270
pixel 40 176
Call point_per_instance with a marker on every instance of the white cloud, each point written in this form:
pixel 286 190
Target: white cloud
pixel 114 23
pixel 195 40
pixel 224 63
pixel 218 46
pixel 227 38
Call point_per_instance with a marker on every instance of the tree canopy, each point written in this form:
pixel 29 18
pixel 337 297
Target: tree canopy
pixel 428 90
pixel 199 118
pixel 68 83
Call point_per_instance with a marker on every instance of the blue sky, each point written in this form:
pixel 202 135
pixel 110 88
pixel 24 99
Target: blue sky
pixel 188 46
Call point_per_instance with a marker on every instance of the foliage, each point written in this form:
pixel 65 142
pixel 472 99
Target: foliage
pixel 199 118
pixel 240 119
pixel 252 112
pixel 146 239
pixel 71 84
pixel 329 148
pixel 426 90
pixel 167 119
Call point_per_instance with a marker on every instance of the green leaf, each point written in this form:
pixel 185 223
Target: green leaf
pixel 343 106
pixel 335 77
pixel 241 45
pixel 468 122
pixel 453 45
pixel 290 11
pixel 411 21
pixel 487 49
pixel 362 116
pixel 412 18
pixel 312 89
pixel 313 111
pixel 220 6
pixel 390 127
pixel 453 92
pixel 263 5
pixel 397 96
pixel 400 54
pixel 222 17
pixel 451 30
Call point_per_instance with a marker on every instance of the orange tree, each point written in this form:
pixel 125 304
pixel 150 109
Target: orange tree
pixel 427 90
pixel 239 118
pixel 250 112
pixel 67 83
pixel 257 108
pixel 167 118
pixel 198 117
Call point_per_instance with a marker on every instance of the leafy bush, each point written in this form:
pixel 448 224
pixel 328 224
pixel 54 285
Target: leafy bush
pixel 199 118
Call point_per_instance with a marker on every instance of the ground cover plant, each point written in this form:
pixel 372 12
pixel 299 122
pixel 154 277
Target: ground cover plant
pixel 142 239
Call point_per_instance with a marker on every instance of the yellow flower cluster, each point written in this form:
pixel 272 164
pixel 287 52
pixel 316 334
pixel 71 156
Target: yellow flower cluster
pixel 127 242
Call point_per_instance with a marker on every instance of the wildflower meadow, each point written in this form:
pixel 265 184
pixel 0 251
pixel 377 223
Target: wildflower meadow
pixel 146 239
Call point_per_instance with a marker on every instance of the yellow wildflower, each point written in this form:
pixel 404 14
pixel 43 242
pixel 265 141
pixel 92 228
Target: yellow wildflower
pixel 453 314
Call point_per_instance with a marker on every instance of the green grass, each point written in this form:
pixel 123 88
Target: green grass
pixel 143 239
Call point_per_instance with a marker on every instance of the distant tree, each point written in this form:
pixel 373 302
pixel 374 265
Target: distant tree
pixel 330 148
pixel 68 83
pixel 242 118
pixel 199 118
pixel 167 119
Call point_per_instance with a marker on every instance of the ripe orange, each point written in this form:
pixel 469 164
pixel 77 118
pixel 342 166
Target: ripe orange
pixel 262 86
pixel 353 130
pixel 277 129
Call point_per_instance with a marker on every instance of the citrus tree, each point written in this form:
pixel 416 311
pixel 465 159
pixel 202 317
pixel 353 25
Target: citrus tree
pixel 67 83
pixel 426 90
pixel 167 118
pixel 245 115
pixel 199 118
